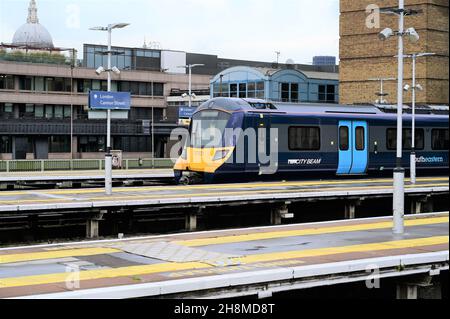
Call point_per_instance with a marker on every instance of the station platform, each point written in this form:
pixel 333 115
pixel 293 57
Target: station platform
pixel 90 175
pixel 231 263
pixel 224 194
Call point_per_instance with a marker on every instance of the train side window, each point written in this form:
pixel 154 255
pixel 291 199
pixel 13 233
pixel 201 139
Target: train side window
pixel 419 137
pixel 304 138
pixel 391 139
pixel 360 138
pixel 439 139
pixel 343 138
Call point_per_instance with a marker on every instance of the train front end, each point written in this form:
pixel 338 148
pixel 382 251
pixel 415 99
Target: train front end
pixel 210 146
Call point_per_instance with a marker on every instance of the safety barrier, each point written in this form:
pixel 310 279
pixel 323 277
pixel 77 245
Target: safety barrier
pixel 79 165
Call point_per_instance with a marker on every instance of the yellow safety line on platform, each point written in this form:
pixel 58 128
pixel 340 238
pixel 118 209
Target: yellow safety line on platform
pixel 305 232
pixel 172 267
pixel 401 244
pixel 221 186
pixel 15 258
pixel 158 196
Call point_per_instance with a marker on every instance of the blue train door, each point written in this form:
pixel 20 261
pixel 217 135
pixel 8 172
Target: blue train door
pixel 353 148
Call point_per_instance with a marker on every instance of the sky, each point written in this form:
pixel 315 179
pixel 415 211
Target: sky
pixel 236 29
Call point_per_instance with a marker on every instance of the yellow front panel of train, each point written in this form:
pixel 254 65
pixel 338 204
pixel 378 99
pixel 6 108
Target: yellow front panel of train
pixel 206 160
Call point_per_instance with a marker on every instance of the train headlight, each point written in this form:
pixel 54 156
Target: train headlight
pixel 219 155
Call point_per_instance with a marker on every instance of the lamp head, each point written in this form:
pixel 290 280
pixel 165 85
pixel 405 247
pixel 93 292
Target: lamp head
pixel 100 70
pixel 406 88
pixel 115 70
pixel 184 95
pixel 385 34
pixel 412 34
pixel 118 25
pixel 419 87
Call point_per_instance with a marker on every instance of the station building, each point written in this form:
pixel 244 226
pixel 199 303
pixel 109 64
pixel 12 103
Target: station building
pixel 277 84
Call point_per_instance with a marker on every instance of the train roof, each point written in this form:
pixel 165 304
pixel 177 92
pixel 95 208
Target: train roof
pixel 258 105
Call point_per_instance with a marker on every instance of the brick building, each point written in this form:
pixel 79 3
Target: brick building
pixel 363 56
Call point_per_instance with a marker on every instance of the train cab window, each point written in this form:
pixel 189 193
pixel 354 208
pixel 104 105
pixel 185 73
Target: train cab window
pixel 304 138
pixel 343 138
pixel 360 138
pixel 439 139
pixel 208 128
pixel 391 139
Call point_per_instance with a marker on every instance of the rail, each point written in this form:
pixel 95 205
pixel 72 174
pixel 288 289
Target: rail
pixel 75 165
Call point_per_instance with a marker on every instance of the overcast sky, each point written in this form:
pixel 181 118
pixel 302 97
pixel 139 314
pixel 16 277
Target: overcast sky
pixel 239 29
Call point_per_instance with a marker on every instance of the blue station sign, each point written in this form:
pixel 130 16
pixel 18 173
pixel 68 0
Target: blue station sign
pixel 99 100
pixel 186 112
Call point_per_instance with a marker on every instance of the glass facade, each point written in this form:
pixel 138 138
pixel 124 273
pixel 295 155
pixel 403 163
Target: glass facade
pixel 56 84
pixel 123 58
pixel 278 85
pixel 242 90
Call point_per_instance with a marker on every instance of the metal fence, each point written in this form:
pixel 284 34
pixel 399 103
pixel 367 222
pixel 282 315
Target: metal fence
pixel 79 165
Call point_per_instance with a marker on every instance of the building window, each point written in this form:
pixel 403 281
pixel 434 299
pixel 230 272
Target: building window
pixel 242 90
pixel 251 90
pixel 285 96
pixel 59 144
pixel 38 111
pixel 327 93
pixel 5 144
pixel 391 139
pixel 260 90
pixel 59 111
pixel 91 144
pixel 26 83
pixel 289 92
pixel 233 90
pixel 39 85
pixel 439 139
pixel 304 138
pixel 49 111
pixel 134 144
pixel 67 111
pixel 26 111
pixel 294 92
pixel 6 82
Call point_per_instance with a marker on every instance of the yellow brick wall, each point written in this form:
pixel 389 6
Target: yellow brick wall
pixel 364 56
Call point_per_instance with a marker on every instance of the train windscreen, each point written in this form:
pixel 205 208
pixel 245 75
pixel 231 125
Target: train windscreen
pixel 208 128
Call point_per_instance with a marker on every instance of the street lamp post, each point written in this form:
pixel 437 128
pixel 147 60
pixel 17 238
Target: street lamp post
pixel 190 67
pixel 108 155
pixel 414 87
pixel 381 94
pixel 399 171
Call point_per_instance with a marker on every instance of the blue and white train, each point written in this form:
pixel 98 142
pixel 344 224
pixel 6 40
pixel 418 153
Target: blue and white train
pixel 313 140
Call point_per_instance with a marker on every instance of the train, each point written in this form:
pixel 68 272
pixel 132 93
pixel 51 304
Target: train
pixel 234 140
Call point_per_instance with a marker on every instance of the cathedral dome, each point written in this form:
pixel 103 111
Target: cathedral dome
pixel 33 34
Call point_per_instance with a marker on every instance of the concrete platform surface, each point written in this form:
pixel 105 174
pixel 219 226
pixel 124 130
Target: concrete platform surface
pixel 226 263
pixel 45 200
